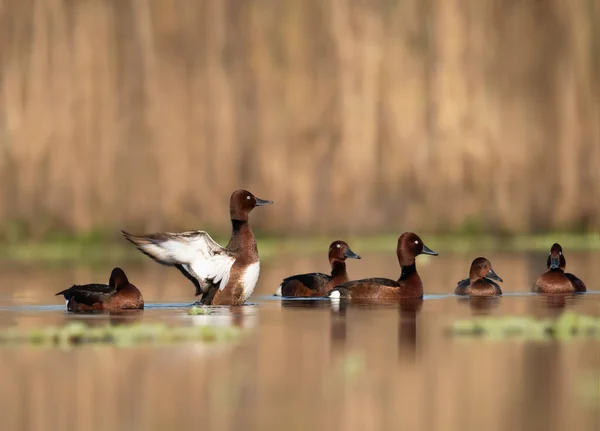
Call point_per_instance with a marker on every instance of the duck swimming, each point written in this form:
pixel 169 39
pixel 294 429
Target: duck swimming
pixel 222 275
pixel 480 281
pixel 409 284
pixel 318 284
pixel 556 280
pixel 118 294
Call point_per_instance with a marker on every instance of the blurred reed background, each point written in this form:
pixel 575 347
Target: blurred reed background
pixel 360 116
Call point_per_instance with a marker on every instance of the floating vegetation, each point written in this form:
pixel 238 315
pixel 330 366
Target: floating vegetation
pixel 136 334
pixel 195 311
pixel 569 326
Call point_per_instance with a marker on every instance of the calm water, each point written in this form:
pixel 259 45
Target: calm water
pixel 304 364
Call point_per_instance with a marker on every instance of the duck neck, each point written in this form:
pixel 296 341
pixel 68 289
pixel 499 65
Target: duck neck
pixel 241 236
pixel 338 271
pixel 474 276
pixel 238 225
pixel 408 270
pixel 480 283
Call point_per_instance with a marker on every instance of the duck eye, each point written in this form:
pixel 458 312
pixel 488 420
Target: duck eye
pixel 416 241
pixel 338 246
pixel 560 253
pixel 248 197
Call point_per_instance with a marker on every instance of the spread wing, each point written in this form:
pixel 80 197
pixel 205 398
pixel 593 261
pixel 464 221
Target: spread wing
pixel 192 252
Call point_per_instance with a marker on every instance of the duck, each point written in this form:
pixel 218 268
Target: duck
pixel 221 275
pixel 118 294
pixel 556 280
pixel 316 283
pixel 409 284
pixel 480 281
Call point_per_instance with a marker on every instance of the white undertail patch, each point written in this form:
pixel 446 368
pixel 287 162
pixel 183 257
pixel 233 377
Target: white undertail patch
pixel 279 292
pixel 249 280
pixel 335 294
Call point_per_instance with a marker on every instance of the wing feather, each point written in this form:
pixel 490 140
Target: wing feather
pixel 576 282
pixel 193 251
pixel 88 294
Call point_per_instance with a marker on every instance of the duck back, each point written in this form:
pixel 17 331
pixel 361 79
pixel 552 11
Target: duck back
pixel 313 284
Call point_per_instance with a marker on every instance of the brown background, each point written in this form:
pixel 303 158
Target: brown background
pixel 351 115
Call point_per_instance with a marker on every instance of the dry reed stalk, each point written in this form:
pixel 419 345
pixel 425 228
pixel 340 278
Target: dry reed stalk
pixel 353 116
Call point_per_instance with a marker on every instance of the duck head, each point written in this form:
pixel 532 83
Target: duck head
pixel 242 202
pixel 409 247
pixel 556 260
pixel 482 268
pixel 340 251
pixel 118 279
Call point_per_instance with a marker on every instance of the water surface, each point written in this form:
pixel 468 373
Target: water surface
pixel 304 364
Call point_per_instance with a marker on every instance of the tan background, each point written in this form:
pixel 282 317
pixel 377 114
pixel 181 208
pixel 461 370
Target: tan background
pixel 351 115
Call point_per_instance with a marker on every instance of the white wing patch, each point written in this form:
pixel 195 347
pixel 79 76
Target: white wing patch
pixel 196 251
pixel 249 280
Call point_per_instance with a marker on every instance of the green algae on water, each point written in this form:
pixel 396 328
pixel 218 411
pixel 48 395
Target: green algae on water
pixel 195 311
pixel 568 326
pixel 137 334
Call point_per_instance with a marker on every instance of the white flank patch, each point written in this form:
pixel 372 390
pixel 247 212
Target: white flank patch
pixel 279 292
pixel 249 280
pixel 335 294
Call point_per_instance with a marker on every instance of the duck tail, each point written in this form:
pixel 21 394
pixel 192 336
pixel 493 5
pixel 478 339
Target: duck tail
pixel 67 293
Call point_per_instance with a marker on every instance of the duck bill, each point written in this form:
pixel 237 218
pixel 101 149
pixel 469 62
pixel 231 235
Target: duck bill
pixel 427 250
pixel 554 262
pixel 349 254
pixel 261 202
pixel 493 276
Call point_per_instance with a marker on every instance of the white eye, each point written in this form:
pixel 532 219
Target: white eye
pixel 417 241
pixel 560 253
pixel 248 197
pixel 338 246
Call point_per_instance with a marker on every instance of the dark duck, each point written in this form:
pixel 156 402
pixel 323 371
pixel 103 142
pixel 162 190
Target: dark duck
pixel 481 281
pixel 316 283
pixel 118 294
pixel 409 284
pixel 556 280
